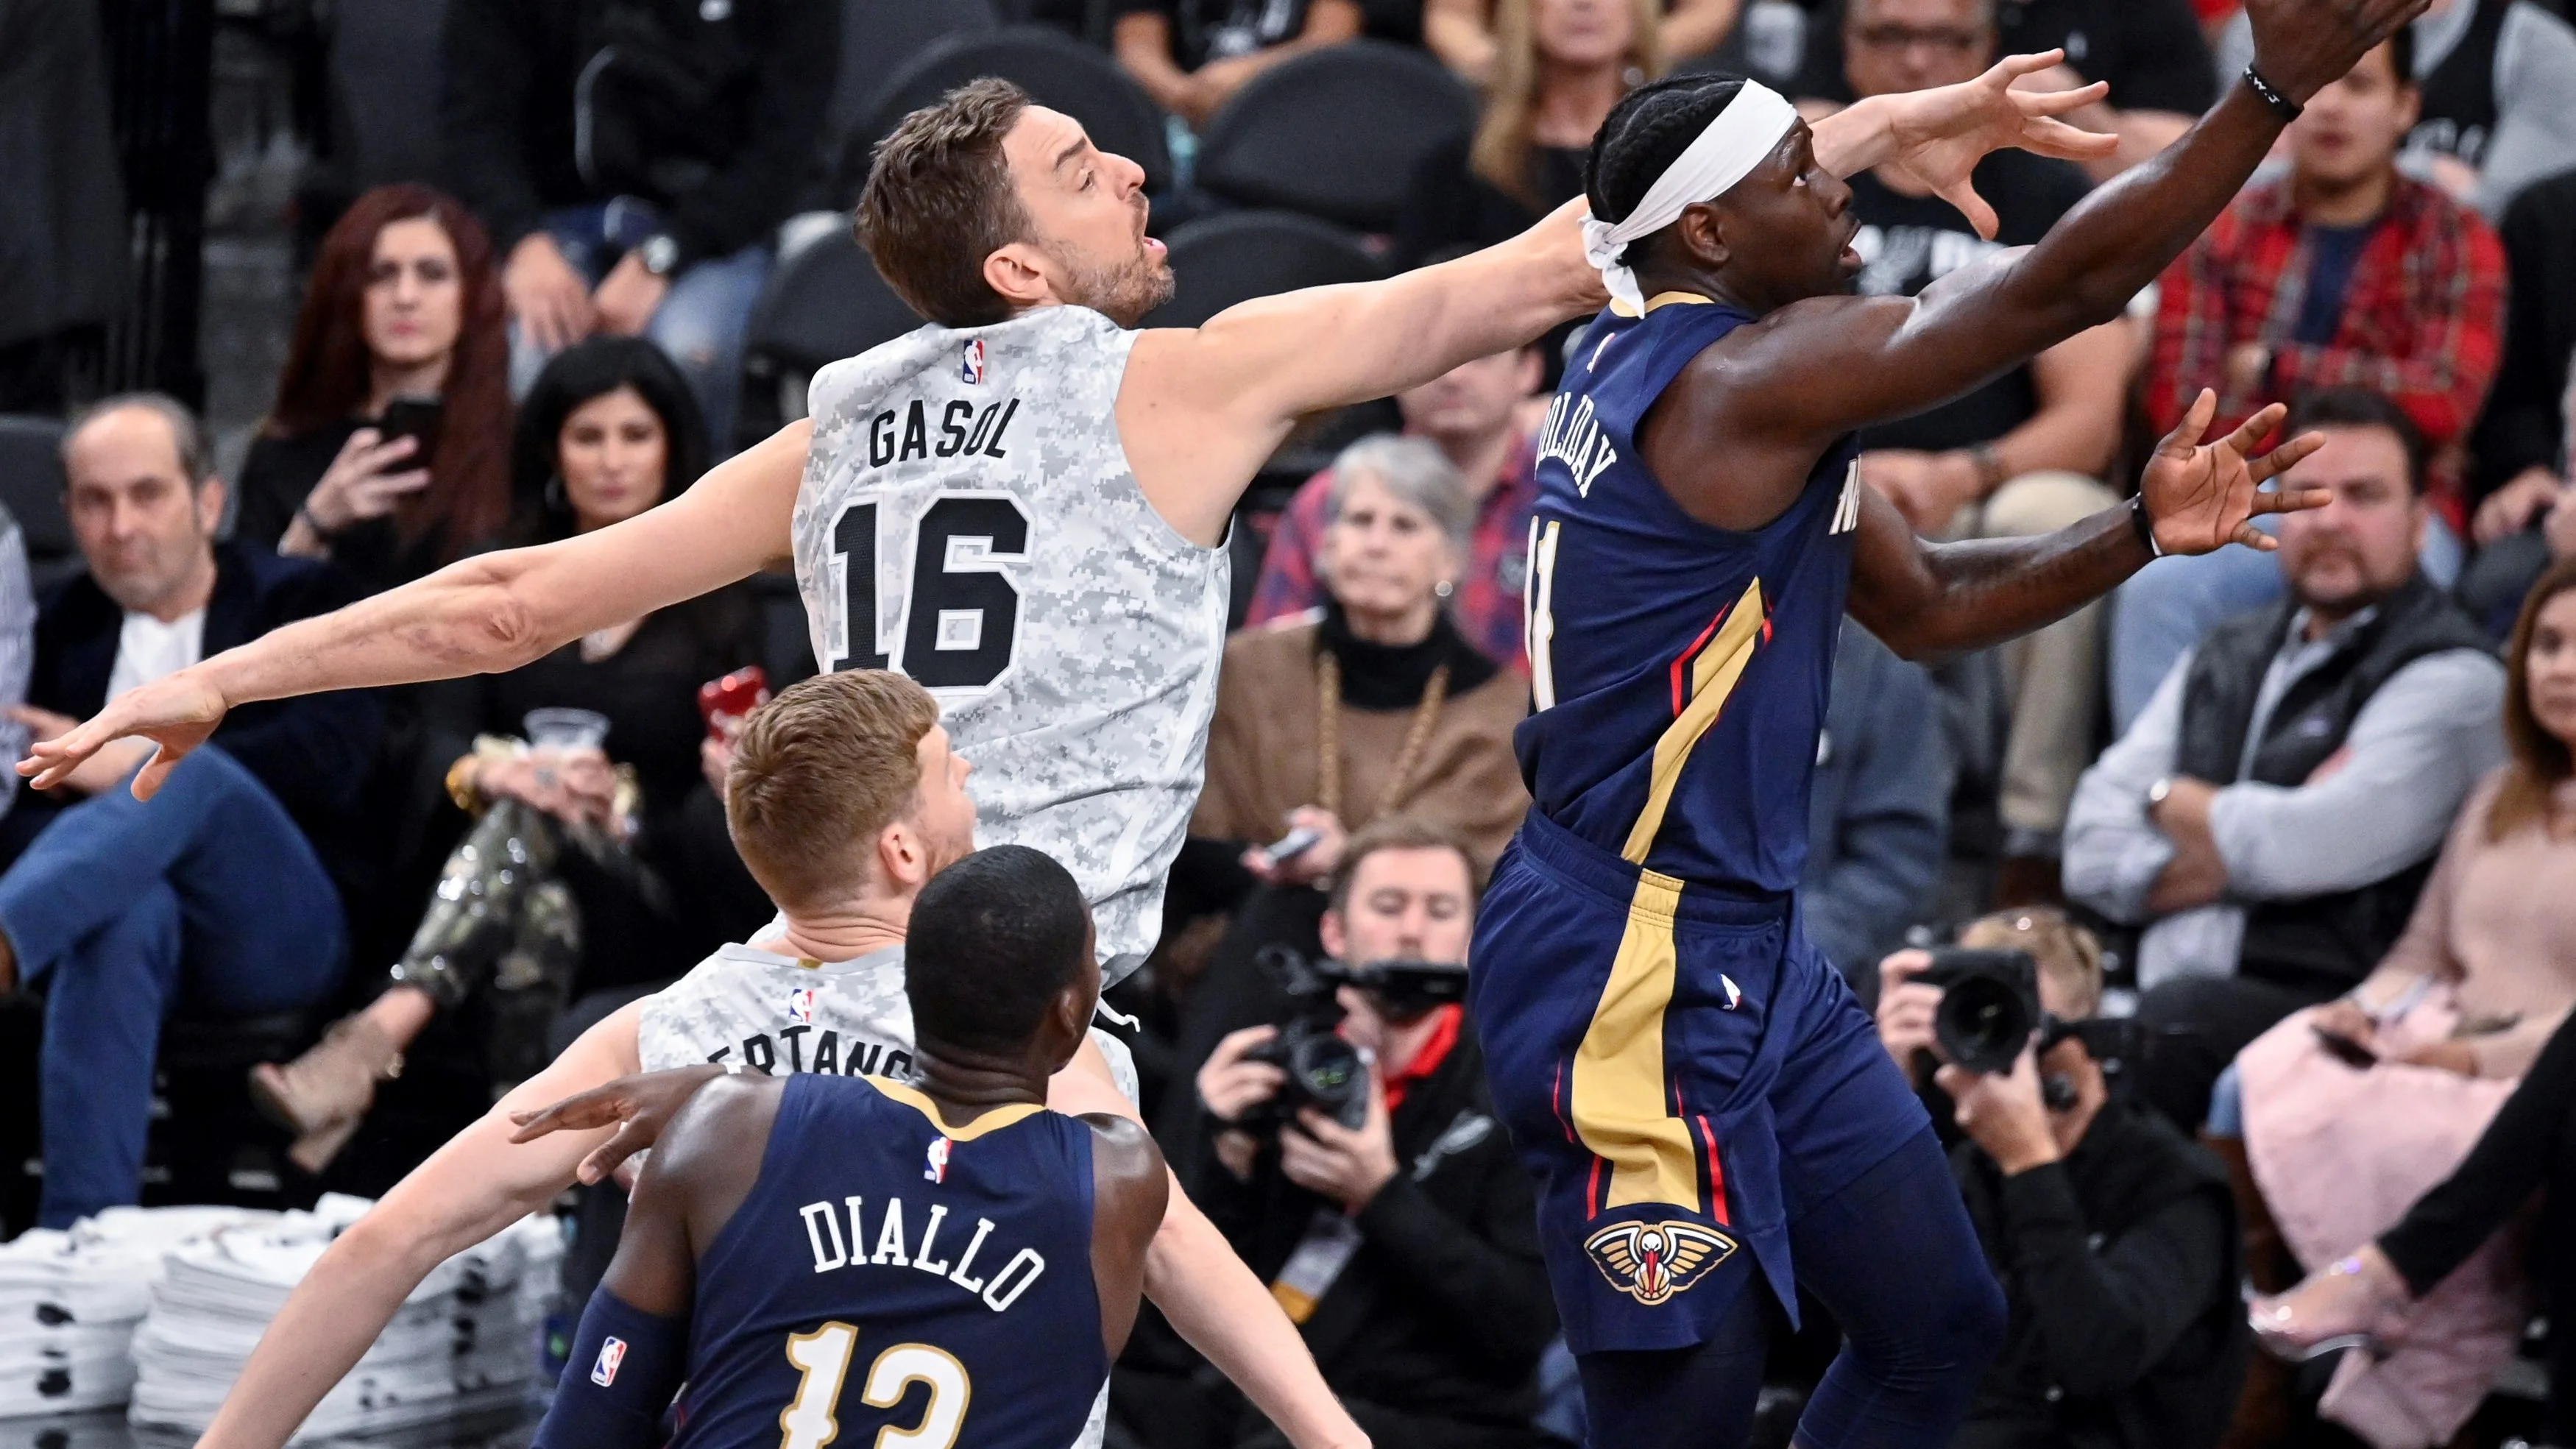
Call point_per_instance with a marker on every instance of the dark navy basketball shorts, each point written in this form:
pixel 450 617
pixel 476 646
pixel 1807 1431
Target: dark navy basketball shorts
pixel 1680 1072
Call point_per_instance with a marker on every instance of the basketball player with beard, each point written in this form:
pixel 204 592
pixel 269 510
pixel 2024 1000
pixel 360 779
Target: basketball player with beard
pixel 1023 507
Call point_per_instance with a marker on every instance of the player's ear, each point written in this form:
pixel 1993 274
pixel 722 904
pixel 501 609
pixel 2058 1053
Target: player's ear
pixel 903 858
pixel 1701 235
pixel 1017 273
pixel 1334 936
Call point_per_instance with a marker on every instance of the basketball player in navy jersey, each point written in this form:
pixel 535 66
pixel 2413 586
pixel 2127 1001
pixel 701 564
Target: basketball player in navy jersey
pixel 1701 1099
pixel 849 1258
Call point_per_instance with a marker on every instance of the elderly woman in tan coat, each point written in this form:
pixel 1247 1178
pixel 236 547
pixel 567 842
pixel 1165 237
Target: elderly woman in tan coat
pixel 1374 703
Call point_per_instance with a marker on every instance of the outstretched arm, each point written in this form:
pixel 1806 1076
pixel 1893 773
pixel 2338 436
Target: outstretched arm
pixel 1213 1299
pixel 1130 1191
pixel 472 1188
pixel 630 1354
pixel 482 615
pixel 1821 367
pixel 1924 598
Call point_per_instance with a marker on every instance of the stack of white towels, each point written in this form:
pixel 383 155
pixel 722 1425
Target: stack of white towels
pixel 70 1302
pixel 205 1283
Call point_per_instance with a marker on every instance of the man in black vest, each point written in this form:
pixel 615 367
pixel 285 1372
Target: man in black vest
pixel 2272 813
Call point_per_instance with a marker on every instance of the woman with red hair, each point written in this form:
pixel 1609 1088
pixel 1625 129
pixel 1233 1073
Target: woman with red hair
pixel 388 451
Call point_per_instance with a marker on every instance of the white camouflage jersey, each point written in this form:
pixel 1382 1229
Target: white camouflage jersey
pixel 968 518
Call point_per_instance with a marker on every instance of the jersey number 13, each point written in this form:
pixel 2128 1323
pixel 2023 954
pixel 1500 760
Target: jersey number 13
pixel 822 1360
pixel 958 626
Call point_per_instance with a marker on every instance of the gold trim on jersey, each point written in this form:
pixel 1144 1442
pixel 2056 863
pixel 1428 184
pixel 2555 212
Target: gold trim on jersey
pixel 1662 299
pixel 1713 676
pixel 993 1121
pixel 1622 1107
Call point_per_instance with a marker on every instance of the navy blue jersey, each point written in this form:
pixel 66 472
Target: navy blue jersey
pixel 1680 671
pixel 887 1273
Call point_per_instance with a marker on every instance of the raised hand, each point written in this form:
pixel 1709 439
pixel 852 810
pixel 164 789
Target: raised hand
pixel 2303 46
pixel 1941 134
pixel 638 1106
pixel 176 713
pixel 2203 496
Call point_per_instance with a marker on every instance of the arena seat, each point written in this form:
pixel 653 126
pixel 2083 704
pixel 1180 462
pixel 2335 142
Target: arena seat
pixel 1058 71
pixel 1221 260
pixel 823 303
pixel 879 38
pixel 1335 133
pixel 31 485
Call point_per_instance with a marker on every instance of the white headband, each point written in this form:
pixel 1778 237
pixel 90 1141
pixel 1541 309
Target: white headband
pixel 1734 143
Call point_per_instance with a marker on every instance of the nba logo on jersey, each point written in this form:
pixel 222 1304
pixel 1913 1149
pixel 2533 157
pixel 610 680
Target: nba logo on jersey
pixel 612 1352
pixel 800 1006
pixel 970 368
pixel 937 1171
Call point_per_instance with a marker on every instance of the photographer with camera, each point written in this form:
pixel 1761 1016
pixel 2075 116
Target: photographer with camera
pixel 1360 1169
pixel 2113 1235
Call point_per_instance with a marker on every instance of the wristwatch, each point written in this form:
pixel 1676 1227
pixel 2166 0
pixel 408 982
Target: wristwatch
pixel 2157 792
pixel 660 254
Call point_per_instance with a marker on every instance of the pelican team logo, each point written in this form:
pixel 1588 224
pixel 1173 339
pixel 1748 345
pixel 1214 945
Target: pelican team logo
pixel 800 1006
pixel 937 1171
pixel 970 367
pixel 1651 1262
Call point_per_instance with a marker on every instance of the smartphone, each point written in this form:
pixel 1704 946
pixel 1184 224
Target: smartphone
pixel 416 418
pixel 1292 845
pixel 727 702
pixel 2344 1049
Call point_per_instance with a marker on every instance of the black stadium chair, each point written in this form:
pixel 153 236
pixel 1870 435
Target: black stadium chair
pixel 1056 70
pixel 1335 133
pixel 878 39
pixel 1232 258
pixel 31 485
pixel 822 304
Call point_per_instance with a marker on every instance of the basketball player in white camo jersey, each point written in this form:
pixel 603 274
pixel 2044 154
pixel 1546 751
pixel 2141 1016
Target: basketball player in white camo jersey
pixel 1122 460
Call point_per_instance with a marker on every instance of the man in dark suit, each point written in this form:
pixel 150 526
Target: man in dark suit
pixel 215 893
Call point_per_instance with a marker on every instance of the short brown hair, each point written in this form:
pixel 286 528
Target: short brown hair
pixel 1398 832
pixel 2065 952
pixel 939 200
pixel 819 773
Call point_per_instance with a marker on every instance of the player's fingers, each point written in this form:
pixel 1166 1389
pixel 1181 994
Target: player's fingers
pixel 2195 422
pixel 2255 538
pixel 2250 433
pixel 2058 103
pixel 2065 142
pixel 2014 67
pixel 2285 457
pixel 147 781
pixel 612 1154
pixel 2293 500
pixel 1972 206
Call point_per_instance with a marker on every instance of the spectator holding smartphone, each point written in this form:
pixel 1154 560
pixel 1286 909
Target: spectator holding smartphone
pixel 387 450
pixel 634 877
pixel 2110 1231
pixel 2369 1099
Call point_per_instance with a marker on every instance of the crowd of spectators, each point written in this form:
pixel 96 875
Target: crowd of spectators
pixel 2293 816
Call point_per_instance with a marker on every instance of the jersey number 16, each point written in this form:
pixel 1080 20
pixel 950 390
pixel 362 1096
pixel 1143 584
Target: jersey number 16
pixel 960 623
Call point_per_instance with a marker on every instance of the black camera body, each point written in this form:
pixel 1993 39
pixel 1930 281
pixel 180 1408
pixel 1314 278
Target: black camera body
pixel 1323 1071
pixel 1989 1005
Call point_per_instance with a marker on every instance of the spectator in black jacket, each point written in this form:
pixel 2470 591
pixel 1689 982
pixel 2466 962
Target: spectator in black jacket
pixel 2113 1234
pixel 216 889
pixel 1406 1249
pixel 632 158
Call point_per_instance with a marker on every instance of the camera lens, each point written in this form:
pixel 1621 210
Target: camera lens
pixel 1982 1024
